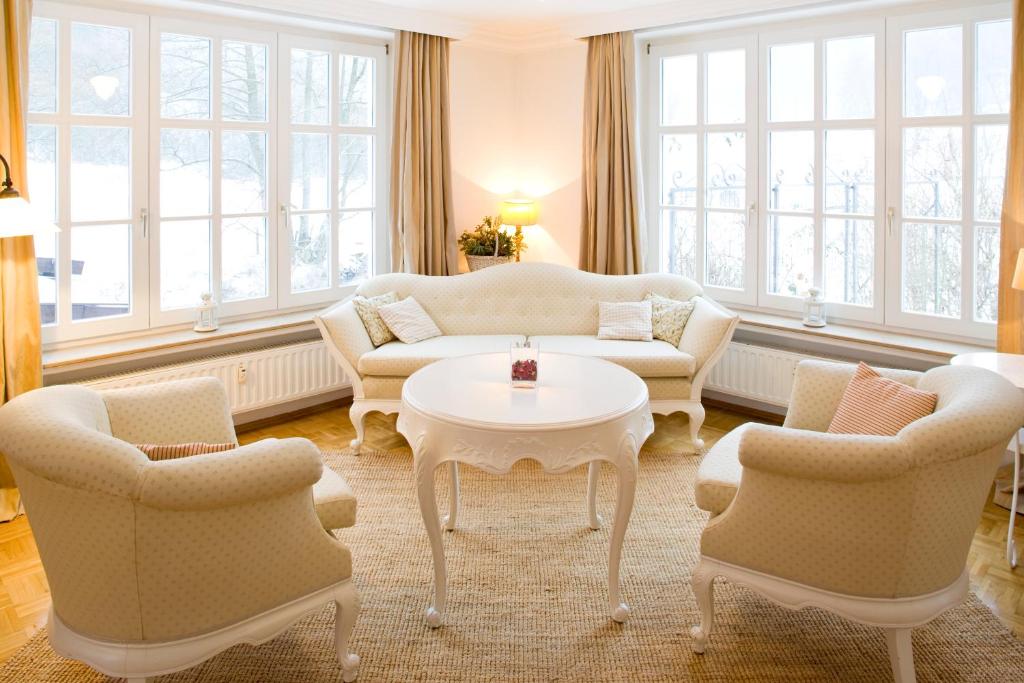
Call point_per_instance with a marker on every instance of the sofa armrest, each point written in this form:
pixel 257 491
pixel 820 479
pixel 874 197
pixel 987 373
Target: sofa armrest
pixel 258 471
pixel 819 456
pixel 345 335
pixel 183 411
pixel 706 336
pixel 818 385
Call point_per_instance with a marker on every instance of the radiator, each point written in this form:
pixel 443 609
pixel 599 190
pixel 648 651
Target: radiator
pixel 755 372
pixel 254 379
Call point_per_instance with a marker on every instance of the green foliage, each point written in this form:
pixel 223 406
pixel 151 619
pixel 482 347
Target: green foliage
pixel 480 242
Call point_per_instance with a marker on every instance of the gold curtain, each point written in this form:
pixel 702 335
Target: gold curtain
pixel 20 333
pixel 1010 336
pixel 422 224
pixel 611 233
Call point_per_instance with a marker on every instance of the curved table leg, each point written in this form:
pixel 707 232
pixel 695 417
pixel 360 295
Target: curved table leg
pixel 428 510
pixel 593 474
pixel 1011 545
pixel 449 519
pixel 627 467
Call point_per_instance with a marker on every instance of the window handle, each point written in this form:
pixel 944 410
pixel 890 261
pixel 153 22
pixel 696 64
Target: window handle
pixel 752 209
pixel 890 218
pixel 286 213
pixel 144 219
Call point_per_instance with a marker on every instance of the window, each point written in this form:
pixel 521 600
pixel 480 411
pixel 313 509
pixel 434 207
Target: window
pixel 705 125
pixel 158 146
pixel 875 171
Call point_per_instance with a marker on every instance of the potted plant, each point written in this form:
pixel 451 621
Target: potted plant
pixel 487 245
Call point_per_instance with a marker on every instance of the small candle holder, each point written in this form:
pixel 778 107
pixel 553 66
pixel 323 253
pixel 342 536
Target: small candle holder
pixel 524 358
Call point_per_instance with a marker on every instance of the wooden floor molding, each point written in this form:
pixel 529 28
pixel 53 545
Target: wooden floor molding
pixel 25 598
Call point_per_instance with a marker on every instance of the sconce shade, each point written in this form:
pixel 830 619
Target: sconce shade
pixel 17 217
pixel 1018 272
pixel 519 212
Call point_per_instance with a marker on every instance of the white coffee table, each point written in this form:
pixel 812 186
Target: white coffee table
pixel 583 410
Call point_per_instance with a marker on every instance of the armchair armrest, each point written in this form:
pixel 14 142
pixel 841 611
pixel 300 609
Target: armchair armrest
pixel 259 471
pixel 183 411
pixel 818 386
pixel 819 456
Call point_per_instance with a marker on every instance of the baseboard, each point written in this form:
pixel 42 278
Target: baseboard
pixel 290 410
pixel 745 406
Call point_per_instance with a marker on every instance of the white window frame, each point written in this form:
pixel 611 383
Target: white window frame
pixel 887 25
pixel 66 329
pixel 380 130
pixel 701 48
pixel 965 325
pixel 146 123
pixel 216 34
pixel 819 36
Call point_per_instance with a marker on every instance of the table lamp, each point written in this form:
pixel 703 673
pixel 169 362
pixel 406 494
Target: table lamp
pixel 1018 272
pixel 519 212
pixel 17 217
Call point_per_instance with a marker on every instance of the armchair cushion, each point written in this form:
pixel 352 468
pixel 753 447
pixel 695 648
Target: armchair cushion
pixel 720 473
pixel 873 404
pixel 183 411
pixel 334 501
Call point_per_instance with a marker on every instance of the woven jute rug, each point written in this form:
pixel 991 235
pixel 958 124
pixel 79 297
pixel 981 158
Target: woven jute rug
pixel 527 598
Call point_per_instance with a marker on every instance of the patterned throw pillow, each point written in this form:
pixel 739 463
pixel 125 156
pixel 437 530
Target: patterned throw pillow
pixel 668 317
pixel 409 321
pixel 182 450
pixel 367 310
pixel 876 405
pixel 630 320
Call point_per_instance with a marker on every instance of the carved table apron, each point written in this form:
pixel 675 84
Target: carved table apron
pixel 583 410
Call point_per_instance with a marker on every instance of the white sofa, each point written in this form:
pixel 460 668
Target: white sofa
pixel 557 307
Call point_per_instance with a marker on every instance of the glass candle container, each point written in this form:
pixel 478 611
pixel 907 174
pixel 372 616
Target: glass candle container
pixel 206 315
pixel 524 358
pixel 814 308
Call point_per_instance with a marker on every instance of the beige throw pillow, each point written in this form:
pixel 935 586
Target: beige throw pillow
pixel 877 405
pixel 629 320
pixel 409 321
pixel 367 310
pixel 668 317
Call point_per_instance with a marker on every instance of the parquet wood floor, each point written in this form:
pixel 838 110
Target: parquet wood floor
pixel 25 598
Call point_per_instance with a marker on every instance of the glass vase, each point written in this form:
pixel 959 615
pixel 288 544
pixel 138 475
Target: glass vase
pixel 524 358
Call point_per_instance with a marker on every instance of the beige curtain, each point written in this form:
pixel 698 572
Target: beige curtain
pixel 422 225
pixel 611 232
pixel 20 333
pixel 1010 337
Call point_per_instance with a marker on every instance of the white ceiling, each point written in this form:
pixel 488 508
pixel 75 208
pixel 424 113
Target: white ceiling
pixel 520 24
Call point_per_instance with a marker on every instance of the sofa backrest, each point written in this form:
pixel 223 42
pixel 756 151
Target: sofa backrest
pixel 525 298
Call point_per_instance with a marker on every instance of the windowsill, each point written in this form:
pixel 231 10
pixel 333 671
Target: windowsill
pixel 861 337
pixel 180 340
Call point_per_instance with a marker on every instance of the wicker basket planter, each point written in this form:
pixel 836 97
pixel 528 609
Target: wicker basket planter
pixel 481 262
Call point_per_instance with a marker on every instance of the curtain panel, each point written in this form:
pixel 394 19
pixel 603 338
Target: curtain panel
pixel 1010 334
pixel 611 233
pixel 20 332
pixel 422 224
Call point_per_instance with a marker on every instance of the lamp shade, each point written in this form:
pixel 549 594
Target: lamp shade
pixel 1018 272
pixel 17 217
pixel 519 212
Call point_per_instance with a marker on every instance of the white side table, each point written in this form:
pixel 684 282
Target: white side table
pixel 1010 366
pixel 583 410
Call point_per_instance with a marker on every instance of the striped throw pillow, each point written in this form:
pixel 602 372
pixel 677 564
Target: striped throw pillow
pixel 159 451
pixel 875 405
pixel 408 320
pixel 629 320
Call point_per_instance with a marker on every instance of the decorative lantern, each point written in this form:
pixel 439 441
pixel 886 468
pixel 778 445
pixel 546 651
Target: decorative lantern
pixel 206 314
pixel 814 308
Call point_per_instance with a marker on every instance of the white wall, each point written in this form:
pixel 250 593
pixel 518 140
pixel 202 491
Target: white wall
pixel 517 131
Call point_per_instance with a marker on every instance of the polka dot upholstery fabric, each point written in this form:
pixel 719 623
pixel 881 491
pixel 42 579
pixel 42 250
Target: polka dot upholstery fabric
pixel 538 301
pixel 401 360
pixel 171 412
pixel 136 550
pixel 873 516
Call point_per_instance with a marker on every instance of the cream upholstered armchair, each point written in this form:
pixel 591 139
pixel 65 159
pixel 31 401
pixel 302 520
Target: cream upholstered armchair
pixel 156 566
pixel 875 529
